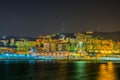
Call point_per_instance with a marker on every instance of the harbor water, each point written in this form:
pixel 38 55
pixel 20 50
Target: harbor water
pixel 59 70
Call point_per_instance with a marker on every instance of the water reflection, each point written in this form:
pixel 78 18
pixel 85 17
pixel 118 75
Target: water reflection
pixel 107 72
pixel 52 71
pixel 80 70
pixel 62 71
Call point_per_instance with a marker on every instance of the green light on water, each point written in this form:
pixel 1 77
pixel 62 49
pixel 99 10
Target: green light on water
pixel 80 67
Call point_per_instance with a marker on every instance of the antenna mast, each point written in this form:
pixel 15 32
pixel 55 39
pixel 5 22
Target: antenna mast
pixel 63 25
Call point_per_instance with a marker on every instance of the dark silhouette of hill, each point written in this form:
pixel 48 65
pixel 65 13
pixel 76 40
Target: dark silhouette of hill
pixel 18 38
pixel 115 36
pixel 108 35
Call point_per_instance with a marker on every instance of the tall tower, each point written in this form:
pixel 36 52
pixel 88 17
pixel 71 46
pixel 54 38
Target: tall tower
pixel 63 25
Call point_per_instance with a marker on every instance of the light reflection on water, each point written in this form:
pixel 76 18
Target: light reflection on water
pixel 62 70
pixel 107 72
pixel 80 70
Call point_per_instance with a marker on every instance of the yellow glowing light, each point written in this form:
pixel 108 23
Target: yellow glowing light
pixel 107 72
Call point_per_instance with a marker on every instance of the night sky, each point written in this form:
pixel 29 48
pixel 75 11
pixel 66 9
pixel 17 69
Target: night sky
pixel 41 17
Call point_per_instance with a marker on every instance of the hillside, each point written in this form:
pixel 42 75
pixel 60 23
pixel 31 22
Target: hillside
pixel 108 35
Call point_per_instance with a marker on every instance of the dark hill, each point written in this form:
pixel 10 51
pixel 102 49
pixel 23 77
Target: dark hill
pixel 108 35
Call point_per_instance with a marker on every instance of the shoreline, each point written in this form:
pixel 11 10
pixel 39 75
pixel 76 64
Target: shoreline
pixel 71 60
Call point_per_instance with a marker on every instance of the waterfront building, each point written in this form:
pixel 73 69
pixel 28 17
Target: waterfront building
pixel 4 41
pixel 12 42
pixel 46 47
pixel 79 44
pixel 3 49
pixel 24 46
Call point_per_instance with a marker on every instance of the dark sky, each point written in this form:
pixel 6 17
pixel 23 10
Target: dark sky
pixel 41 17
